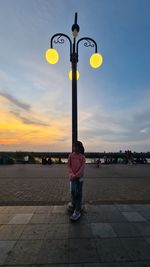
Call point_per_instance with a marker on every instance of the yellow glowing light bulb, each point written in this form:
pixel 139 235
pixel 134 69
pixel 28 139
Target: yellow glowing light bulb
pixel 77 75
pixel 96 60
pixel 52 56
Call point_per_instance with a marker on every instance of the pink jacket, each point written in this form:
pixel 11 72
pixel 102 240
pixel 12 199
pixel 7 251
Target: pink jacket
pixel 76 165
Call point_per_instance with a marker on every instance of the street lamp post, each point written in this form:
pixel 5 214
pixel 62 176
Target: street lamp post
pixel 95 61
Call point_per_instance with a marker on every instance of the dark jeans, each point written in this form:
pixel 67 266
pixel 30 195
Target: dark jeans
pixel 76 194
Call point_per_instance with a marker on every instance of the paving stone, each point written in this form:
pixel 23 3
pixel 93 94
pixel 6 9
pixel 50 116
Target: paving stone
pixel 111 250
pixel 24 252
pixel 19 209
pixel 26 265
pixel 5 218
pixel 108 207
pixel 113 211
pixel 141 264
pixel 117 264
pixel 27 209
pixel 34 231
pixel 57 231
pixel 21 218
pixel 59 209
pixel 133 216
pixel 141 207
pixel 126 229
pixel 80 230
pixel 146 215
pixel 40 218
pixel 5 249
pixel 96 217
pixel 147 239
pixel 92 264
pixel 137 248
pixel 102 230
pixel 58 218
pixel 40 265
pixel 49 265
pixel 2 209
pixel 11 232
pixel 82 250
pixel 94 208
pixel 44 209
pixel 83 218
pixel 54 251
pixel 8 209
pixel 114 215
pixel 144 228
pixel 124 207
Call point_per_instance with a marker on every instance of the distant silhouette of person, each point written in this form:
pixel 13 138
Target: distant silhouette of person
pixel 44 161
pixel 49 161
pixel 59 160
pixel 98 162
pixel 129 157
pixel 26 159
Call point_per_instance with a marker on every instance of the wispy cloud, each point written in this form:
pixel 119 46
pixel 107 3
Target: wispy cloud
pixel 22 110
pixel 27 120
pixel 15 101
pixel 131 126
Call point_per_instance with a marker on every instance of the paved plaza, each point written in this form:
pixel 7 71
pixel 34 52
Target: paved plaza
pixel 105 236
pixel 35 229
pixel 25 184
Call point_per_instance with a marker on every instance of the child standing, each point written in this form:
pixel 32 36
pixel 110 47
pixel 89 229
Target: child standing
pixel 76 166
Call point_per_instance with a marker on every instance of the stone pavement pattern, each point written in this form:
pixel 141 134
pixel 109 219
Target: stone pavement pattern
pixel 49 185
pixel 106 236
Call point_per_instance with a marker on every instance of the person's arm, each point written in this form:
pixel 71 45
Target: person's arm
pixel 81 169
pixel 71 174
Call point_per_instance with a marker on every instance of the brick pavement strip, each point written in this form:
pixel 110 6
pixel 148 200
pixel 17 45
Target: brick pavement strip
pixel 43 185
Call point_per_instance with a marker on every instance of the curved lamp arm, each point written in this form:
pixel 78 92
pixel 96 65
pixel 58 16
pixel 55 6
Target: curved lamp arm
pixel 88 42
pixel 60 40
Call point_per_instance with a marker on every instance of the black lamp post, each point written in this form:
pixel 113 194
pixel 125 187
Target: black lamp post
pixel 95 61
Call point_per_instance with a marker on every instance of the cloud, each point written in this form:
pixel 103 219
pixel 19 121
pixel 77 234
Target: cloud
pixel 101 125
pixel 117 128
pixel 15 101
pixel 144 130
pixel 29 120
pixel 22 110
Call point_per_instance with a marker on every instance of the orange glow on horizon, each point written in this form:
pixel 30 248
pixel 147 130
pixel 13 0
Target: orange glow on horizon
pixel 7 142
pixel 13 131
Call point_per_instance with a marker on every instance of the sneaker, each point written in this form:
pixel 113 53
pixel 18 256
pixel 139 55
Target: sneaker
pixel 75 216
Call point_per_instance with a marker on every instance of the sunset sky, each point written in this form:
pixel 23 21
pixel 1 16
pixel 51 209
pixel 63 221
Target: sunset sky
pixel 35 97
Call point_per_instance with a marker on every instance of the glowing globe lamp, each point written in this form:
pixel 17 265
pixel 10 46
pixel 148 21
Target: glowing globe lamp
pixel 52 56
pixel 77 75
pixel 96 60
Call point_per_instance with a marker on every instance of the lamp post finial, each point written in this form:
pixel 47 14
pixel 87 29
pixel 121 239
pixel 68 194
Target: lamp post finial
pixel 75 27
pixel 76 16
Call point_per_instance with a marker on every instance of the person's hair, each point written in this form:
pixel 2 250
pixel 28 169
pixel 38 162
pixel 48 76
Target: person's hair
pixel 79 147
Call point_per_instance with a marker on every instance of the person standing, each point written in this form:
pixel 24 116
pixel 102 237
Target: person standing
pixel 76 167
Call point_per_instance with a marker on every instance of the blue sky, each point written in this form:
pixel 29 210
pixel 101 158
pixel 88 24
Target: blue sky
pixel 35 97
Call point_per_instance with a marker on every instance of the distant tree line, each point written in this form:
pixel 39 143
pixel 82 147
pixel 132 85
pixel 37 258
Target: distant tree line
pixel 92 155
